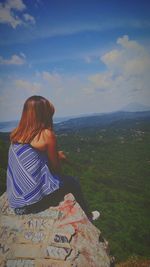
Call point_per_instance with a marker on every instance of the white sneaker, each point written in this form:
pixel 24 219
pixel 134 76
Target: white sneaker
pixel 95 215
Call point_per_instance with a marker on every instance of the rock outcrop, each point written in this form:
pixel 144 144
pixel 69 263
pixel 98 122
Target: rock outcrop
pixel 60 236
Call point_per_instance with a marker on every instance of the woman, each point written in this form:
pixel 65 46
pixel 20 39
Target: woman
pixel 34 180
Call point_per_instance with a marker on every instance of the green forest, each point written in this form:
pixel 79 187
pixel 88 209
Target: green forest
pixel 113 165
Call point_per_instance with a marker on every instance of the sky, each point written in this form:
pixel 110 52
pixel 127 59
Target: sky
pixel 85 56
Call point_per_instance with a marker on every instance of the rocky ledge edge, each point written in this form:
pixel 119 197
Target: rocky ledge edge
pixel 60 236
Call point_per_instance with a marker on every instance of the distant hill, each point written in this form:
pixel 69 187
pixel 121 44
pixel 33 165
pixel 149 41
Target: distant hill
pixel 135 107
pixel 102 120
pixel 86 121
pixel 7 126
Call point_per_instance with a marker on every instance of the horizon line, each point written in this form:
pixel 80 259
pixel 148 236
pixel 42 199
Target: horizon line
pixel 84 115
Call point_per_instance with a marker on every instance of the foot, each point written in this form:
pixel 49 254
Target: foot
pixel 95 215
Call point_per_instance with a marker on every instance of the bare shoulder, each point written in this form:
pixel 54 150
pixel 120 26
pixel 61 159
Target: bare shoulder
pixel 46 138
pixel 48 135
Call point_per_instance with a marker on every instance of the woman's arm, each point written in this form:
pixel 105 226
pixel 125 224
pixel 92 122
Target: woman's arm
pixel 55 157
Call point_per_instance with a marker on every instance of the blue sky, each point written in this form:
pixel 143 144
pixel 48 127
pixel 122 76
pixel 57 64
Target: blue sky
pixel 85 56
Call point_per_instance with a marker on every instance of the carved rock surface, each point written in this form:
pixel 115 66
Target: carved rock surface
pixel 60 236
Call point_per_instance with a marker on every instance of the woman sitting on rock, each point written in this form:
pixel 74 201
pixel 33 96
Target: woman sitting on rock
pixel 34 180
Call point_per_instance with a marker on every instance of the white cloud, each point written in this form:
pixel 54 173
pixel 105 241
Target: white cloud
pixel 60 83
pixel 64 91
pixel 14 60
pixel 88 59
pixel 15 4
pixel 13 93
pixel 100 26
pixel 129 59
pixel 31 87
pixel 54 79
pixel 127 69
pixel 23 55
pixel 102 80
pixel 129 44
pixel 29 18
pixel 8 14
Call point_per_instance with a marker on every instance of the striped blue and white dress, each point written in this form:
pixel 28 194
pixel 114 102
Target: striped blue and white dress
pixel 28 176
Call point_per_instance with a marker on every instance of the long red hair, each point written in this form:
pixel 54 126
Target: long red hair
pixel 37 115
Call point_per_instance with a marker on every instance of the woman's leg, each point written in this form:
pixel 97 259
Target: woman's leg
pixel 52 199
pixel 72 185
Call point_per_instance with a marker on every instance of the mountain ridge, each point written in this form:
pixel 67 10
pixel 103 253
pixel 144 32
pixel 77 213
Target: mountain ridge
pixel 93 120
pixel 102 120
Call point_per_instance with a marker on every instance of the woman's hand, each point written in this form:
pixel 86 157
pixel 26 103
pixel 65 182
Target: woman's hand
pixel 61 155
